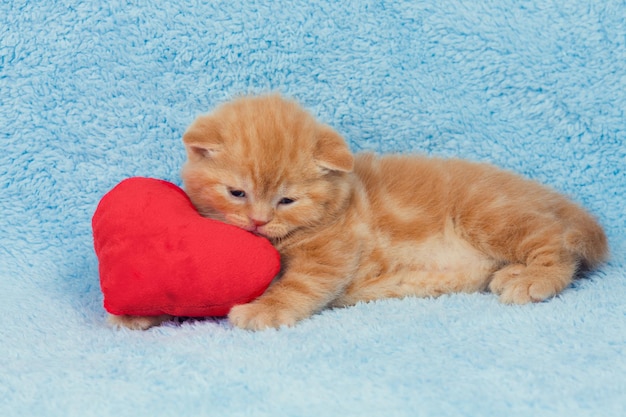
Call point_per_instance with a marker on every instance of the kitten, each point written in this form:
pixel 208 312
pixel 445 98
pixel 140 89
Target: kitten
pixel 359 228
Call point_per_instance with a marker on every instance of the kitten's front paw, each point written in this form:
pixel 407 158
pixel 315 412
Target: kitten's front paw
pixel 258 316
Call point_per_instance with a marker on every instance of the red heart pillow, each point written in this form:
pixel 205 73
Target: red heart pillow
pixel 157 255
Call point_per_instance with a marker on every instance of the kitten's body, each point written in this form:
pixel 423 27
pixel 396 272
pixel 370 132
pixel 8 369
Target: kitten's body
pixel 358 229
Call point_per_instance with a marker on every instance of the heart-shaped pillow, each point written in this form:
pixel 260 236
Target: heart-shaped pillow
pixel 157 255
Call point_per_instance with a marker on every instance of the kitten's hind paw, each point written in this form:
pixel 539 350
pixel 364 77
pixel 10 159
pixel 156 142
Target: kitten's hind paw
pixel 520 284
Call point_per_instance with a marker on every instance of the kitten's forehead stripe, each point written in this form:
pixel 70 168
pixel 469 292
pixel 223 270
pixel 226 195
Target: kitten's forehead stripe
pixel 273 143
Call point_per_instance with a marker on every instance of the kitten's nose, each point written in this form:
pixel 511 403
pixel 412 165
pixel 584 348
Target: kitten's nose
pixel 258 222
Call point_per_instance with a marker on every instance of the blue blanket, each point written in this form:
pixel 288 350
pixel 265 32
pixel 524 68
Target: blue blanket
pixel 92 92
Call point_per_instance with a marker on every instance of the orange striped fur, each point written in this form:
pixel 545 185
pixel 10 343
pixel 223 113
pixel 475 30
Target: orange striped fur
pixel 359 228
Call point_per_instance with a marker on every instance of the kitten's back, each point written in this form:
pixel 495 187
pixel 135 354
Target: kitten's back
pixel 416 195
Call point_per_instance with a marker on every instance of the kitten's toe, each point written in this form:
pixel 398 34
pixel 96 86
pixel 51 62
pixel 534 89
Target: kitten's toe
pixel 256 316
pixel 136 322
pixel 502 278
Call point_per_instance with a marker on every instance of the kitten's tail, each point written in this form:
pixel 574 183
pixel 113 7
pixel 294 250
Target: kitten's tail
pixel 585 237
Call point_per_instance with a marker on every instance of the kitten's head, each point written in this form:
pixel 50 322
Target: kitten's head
pixel 265 165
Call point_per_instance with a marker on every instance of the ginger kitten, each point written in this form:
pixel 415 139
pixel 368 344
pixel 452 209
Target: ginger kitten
pixel 360 227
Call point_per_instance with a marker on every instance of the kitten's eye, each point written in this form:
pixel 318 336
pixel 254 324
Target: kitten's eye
pixel 285 201
pixel 237 193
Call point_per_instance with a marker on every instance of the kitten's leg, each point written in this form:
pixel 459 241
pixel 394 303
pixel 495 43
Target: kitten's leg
pixel 285 302
pixel 313 277
pixel 302 291
pixel 137 322
pixel 531 247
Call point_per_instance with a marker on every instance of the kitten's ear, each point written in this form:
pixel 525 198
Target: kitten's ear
pixel 203 139
pixel 332 152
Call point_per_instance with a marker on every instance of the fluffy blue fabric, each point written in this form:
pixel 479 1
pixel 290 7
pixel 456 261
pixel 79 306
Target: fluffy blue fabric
pixel 92 92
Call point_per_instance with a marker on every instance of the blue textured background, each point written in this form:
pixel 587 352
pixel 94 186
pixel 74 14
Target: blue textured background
pixel 93 92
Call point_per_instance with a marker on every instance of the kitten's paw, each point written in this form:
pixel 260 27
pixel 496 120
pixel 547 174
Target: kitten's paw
pixel 258 316
pixel 136 322
pixel 518 284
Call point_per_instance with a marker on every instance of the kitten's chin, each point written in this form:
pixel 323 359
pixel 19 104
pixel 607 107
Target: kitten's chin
pixel 262 233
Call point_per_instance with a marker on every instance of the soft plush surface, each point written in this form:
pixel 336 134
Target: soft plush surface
pixel 93 92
